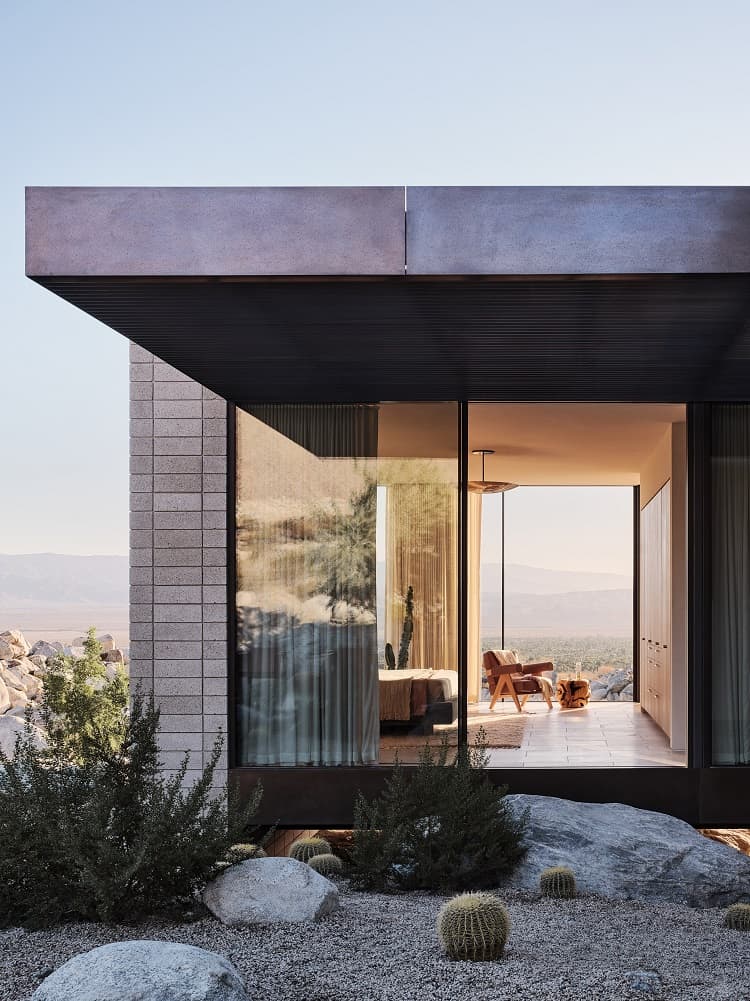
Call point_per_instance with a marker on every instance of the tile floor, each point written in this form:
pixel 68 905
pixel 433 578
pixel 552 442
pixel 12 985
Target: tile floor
pixel 603 735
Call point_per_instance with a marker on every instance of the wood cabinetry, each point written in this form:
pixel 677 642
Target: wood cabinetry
pixel 656 608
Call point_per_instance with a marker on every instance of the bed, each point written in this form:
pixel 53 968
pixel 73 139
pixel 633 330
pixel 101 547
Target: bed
pixel 417 698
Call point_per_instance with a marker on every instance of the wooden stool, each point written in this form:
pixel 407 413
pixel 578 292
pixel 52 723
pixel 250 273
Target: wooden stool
pixel 573 693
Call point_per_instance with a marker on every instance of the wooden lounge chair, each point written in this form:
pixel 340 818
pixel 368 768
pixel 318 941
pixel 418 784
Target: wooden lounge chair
pixel 507 677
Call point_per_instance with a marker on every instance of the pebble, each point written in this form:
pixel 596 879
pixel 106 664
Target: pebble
pixel 384 948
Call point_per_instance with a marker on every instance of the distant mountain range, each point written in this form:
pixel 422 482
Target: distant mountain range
pixel 49 579
pixel 53 593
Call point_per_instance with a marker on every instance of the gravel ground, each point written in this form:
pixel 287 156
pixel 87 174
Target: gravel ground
pixel 381 948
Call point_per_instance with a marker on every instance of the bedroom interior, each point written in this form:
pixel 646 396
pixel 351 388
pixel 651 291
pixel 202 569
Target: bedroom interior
pixel 347 528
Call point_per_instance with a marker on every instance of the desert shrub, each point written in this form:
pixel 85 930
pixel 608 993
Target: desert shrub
pixel 110 837
pixel 441 827
pixel 84 704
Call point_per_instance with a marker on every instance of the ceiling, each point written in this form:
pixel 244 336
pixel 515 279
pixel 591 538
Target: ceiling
pixel 586 444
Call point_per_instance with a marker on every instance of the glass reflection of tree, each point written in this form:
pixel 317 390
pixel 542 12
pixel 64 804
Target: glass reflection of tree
pixel 344 555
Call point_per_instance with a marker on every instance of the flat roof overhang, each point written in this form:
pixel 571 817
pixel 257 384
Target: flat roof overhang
pixel 333 294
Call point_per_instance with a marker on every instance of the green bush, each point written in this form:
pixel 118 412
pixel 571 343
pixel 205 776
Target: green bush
pixel 84 707
pixel 474 926
pixel 443 826
pixel 108 838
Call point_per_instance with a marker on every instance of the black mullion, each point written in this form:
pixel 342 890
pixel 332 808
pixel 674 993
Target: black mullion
pixel 699 578
pixel 463 572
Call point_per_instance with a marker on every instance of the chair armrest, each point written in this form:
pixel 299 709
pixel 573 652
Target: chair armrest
pixel 537 668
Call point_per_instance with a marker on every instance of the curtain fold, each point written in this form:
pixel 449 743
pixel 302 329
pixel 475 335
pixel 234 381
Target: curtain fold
pixel 421 552
pixel 307 679
pixel 730 586
pixel 473 597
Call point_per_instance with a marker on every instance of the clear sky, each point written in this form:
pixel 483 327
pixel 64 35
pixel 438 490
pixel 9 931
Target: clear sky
pixel 174 92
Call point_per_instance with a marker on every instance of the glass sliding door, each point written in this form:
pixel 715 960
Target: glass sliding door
pixel 730 582
pixel 347 590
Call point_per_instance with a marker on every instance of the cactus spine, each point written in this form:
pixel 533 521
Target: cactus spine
pixel 241 853
pixel 558 882
pixel 474 926
pixel 408 631
pixel 306 848
pixel 326 865
pixel 738 917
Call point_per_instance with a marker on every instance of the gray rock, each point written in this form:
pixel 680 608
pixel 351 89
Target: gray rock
pixel 10 728
pixel 44 649
pixel 5 703
pixel 136 971
pixel 645 981
pixel 262 891
pixel 106 641
pixel 622 853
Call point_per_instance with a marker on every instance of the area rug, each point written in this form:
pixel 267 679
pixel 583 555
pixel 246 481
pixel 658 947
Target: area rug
pixel 504 730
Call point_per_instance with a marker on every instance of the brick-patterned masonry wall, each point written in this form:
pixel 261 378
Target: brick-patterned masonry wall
pixel 178 556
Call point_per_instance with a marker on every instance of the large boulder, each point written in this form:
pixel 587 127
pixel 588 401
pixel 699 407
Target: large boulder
pixel 261 891
pixel 622 853
pixel 140 970
pixel 16 641
pixel 5 702
pixel 44 649
pixel 106 641
pixel 10 728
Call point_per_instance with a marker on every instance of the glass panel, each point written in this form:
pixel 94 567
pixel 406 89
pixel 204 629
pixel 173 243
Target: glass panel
pixel 341 510
pixel 730 586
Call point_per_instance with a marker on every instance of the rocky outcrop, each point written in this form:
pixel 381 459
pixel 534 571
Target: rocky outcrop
pixel 622 853
pixel 262 891
pixel 12 726
pixel 134 971
pixel 612 686
pixel 22 670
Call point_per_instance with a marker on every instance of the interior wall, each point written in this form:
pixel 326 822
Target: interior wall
pixel 668 462
pixel 657 468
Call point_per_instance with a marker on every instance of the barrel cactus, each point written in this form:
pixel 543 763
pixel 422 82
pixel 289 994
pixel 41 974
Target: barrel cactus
pixel 474 926
pixel 306 848
pixel 241 853
pixel 558 882
pixel 738 917
pixel 326 865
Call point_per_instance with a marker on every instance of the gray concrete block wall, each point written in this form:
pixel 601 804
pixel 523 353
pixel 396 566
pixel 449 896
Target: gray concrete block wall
pixel 178 556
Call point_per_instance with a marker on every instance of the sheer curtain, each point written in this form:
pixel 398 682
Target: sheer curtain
pixel 421 551
pixel 307 679
pixel 473 597
pixel 730 590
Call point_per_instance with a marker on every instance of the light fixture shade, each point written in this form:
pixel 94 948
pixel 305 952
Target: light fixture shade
pixel 490 486
pixel 484 486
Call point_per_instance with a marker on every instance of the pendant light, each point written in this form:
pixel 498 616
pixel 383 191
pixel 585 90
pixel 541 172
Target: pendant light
pixel 484 486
